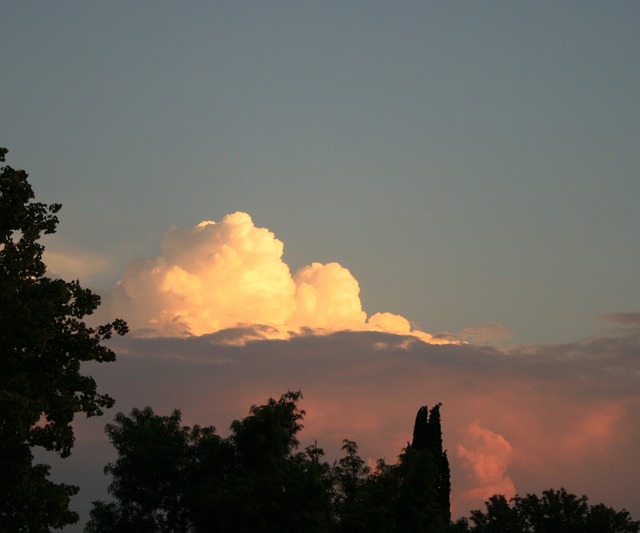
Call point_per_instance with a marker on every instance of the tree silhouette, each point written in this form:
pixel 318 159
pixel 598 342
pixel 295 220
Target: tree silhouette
pixel 173 478
pixel 150 472
pixel 44 341
pixel 424 471
pixel 427 439
pixel 554 510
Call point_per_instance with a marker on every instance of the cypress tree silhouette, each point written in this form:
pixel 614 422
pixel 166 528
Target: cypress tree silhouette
pixel 427 440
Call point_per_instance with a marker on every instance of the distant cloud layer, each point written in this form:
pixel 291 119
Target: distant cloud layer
pixel 515 420
pixel 230 274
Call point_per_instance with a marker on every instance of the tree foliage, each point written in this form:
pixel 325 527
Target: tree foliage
pixel 44 340
pixel 553 511
pixel 173 478
pixel 170 477
pixel 425 489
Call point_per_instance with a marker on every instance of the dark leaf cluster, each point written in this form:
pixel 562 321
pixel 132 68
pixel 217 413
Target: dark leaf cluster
pixel 553 511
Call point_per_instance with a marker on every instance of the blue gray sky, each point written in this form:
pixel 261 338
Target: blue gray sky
pixel 468 162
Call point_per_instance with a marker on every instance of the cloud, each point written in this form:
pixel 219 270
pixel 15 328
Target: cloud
pixel 209 277
pixel 485 334
pixel 327 297
pixel 483 460
pixel 230 275
pixel 73 263
pixel 632 319
pixel 624 319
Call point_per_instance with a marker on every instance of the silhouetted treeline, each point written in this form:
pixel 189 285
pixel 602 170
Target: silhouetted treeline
pixel 554 511
pixel 172 478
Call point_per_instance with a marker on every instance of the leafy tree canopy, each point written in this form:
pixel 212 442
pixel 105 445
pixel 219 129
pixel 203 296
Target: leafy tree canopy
pixel 173 478
pixel 553 511
pixel 44 341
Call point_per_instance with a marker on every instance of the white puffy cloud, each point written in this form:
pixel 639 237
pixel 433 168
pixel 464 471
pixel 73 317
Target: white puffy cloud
pixel 230 274
pixel 208 277
pixel 327 296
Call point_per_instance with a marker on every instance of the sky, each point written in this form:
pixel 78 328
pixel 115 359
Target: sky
pixel 334 180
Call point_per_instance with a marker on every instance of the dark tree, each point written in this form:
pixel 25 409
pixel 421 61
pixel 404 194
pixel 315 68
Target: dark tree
pixel 149 476
pixel 423 502
pixel 44 341
pixel 173 478
pixel 170 478
pixel 351 475
pixel 500 517
pixel 554 511
pixel 274 487
pixel 427 439
pixel 410 496
pixel 211 492
pixel 364 500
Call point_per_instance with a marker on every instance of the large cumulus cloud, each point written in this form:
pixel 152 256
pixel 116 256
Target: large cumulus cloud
pixel 230 274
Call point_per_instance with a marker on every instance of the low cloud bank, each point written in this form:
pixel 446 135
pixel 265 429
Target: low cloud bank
pixel 515 420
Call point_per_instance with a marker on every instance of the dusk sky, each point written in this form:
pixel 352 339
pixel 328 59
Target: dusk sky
pixel 282 195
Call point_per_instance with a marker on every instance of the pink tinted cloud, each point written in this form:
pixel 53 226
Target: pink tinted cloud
pixel 483 457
